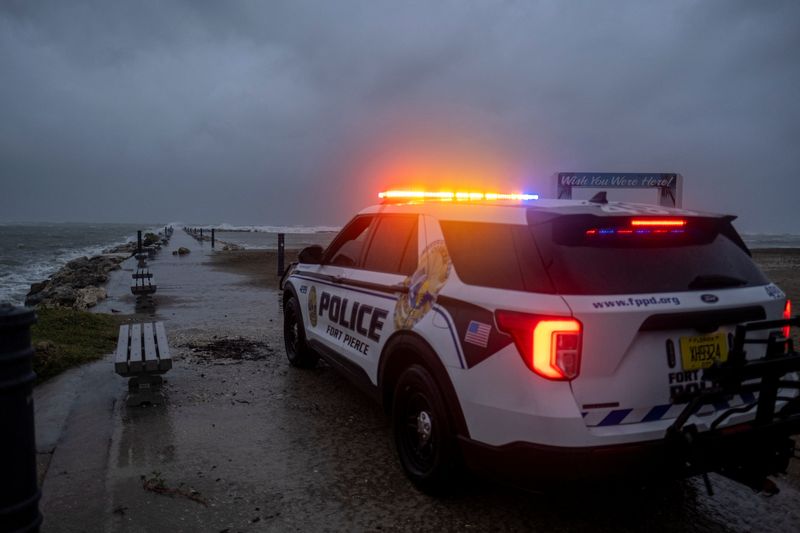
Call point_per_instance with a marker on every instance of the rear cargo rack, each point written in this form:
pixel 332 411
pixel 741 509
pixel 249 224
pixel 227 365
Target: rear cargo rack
pixel 747 453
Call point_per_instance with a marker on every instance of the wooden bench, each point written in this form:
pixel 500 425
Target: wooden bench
pixel 142 283
pixel 142 355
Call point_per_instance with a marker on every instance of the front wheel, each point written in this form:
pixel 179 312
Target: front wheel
pixel 299 353
pixel 422 431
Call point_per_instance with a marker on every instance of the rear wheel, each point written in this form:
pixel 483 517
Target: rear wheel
pixel 294 337
pixel 422 431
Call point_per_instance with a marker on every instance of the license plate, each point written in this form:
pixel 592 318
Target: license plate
pixel 701 351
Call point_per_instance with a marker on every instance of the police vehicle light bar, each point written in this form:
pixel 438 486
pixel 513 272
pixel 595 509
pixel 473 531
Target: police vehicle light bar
pixel 454 196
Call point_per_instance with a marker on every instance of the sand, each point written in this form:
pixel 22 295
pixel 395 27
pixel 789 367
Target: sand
pixel 260 266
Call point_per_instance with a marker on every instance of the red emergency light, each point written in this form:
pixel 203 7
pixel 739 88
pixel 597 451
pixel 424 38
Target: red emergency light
pixel 643 226
pixel 658 222
pixel 787 314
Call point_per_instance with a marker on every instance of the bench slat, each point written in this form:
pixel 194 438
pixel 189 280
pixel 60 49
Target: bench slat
pixel 121 355
pixel 150 356
pixel 142 349
pixel 135 363
pixel 165 359
pixel 145 275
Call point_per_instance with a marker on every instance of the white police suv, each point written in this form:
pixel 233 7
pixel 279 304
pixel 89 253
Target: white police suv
pixel 554 339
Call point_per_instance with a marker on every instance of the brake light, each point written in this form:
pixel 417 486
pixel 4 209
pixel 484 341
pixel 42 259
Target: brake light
pixel 550 346
pixel 787 314
pixel 672 222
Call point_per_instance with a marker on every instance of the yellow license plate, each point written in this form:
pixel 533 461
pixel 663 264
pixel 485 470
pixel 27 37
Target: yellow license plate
pixel 701 351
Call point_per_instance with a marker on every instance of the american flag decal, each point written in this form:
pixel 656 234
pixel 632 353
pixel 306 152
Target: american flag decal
pixel 478 333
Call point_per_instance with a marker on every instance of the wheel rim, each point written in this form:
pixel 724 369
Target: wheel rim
pixel 419 432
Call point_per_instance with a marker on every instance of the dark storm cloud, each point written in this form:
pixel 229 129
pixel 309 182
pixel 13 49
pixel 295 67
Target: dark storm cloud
pixel 285 112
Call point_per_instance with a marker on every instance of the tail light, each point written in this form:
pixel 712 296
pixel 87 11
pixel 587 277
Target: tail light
pixel 550 346
pixel 787 314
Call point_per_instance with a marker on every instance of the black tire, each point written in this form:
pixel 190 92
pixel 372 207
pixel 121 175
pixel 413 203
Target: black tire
pixel 299 353
pixel 423 433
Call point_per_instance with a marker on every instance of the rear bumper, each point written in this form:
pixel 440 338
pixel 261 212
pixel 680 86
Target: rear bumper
pixel 525 461
pixel 734 448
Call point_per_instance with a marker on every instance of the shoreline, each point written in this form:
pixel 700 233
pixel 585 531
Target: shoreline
pixel 81 283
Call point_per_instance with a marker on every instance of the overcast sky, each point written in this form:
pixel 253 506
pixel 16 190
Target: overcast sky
pixel 295 112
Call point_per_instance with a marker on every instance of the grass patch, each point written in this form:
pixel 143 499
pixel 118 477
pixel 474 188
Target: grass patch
pixel 64 338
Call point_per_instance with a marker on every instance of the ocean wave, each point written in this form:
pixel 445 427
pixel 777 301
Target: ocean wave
pixel 268 229
pixel 771 240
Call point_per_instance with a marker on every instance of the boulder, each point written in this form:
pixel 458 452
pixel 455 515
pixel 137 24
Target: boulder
pixel 36 288
pixel 32 300
pixel 88 297
pixel 63 296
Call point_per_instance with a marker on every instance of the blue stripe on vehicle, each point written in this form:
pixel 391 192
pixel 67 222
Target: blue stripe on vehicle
pixel 721 405
pixel 615 417
pixel 656 413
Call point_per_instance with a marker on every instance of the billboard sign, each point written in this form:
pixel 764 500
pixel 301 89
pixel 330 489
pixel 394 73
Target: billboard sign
pixel 669 185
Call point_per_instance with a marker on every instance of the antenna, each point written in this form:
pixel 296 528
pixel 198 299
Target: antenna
pixel 599 198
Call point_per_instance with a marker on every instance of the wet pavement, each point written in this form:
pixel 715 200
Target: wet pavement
pixel 243 442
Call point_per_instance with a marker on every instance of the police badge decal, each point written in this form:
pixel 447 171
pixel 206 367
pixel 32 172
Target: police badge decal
pixel 423 286
pixel 312 306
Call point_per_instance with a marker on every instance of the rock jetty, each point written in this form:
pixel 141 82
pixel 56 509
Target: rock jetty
pixel 76 284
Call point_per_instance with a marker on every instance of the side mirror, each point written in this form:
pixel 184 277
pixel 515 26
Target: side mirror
pixel 311 255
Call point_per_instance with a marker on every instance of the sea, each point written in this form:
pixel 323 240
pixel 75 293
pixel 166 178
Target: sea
pixel 32 252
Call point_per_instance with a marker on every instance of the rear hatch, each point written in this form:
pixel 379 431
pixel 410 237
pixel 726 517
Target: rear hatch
pixel 658 298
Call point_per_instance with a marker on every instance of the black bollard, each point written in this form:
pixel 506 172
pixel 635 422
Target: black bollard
pixel 280 253
pixel 212 237
pixel 19 492
pixel 139 242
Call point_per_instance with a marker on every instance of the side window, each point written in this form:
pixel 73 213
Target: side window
pixel 394 246
pixel 501 256
pixel 345 250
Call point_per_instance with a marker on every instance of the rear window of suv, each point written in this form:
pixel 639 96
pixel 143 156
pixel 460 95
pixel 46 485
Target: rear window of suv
pixel 501 256
pixel 708 254
pixel 555 256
